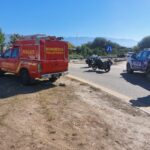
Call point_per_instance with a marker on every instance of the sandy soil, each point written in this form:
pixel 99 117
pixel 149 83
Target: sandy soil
pixel 68 116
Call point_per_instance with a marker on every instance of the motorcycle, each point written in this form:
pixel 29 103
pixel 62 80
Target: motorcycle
pixel 99 64
pixel 90 59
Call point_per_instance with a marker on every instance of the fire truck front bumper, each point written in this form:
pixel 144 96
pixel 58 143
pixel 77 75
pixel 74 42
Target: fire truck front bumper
pixel 54 75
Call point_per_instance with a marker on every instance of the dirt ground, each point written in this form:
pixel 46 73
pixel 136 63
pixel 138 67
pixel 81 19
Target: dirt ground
pixel 68 115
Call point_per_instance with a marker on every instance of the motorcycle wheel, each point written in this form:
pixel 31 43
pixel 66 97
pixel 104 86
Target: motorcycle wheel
pixel 107 69
pixel 89 65
pixel 94 68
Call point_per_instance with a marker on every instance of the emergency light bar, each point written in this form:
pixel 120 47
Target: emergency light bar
pixel 40 36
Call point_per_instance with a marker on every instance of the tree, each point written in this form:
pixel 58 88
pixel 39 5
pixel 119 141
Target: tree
pixel 99 42
pixel 14 37
pixel 135 49
pixel 98 47
pixel 71 46
pixel 144 43
pixel 85 51
pixel 2 39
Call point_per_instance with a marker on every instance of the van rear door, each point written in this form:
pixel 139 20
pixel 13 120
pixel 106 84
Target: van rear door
pixel 55 56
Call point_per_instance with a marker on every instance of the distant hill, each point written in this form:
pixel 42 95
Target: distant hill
pixel 77 41
pixel 124 42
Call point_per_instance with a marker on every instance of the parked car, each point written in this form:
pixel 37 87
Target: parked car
pixel 121 55
pixel 139 62
pixel 129 54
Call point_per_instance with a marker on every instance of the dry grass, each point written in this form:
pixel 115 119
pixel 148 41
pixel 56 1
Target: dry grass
pixel 70 117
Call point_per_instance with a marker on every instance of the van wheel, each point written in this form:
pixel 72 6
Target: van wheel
pixel 129 70
pixel 25 77
pixel 53 79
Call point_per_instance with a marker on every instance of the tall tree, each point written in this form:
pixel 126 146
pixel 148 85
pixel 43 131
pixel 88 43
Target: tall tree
pixel 144 43
pixel 99 42
pixel 2 39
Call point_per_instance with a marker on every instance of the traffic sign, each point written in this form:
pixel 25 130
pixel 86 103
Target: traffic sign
pixel 109 49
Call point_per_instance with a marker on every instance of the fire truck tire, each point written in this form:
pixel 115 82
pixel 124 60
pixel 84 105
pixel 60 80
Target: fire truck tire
pixel 1 73
pixel 53 79
pixel 25 77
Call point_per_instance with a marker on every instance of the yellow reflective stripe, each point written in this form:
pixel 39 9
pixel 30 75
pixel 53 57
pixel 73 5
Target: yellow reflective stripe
pixel 18 68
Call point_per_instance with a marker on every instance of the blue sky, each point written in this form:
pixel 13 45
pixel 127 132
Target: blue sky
pixel 106 18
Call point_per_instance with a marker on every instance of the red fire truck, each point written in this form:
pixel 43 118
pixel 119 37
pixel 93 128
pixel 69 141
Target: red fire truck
pixel 35 57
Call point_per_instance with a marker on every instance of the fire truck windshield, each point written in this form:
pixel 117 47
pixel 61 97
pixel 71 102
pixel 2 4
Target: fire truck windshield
pixel 15 53
pixel 7 53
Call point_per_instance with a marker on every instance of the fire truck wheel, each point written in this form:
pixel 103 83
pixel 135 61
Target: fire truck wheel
pixel 25 77
pixel 1 73
pixel 53 79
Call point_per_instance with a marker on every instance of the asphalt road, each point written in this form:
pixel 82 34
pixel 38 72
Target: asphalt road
pixel 135 86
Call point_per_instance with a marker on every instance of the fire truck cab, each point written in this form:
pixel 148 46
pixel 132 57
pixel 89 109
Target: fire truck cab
pixel 35 57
